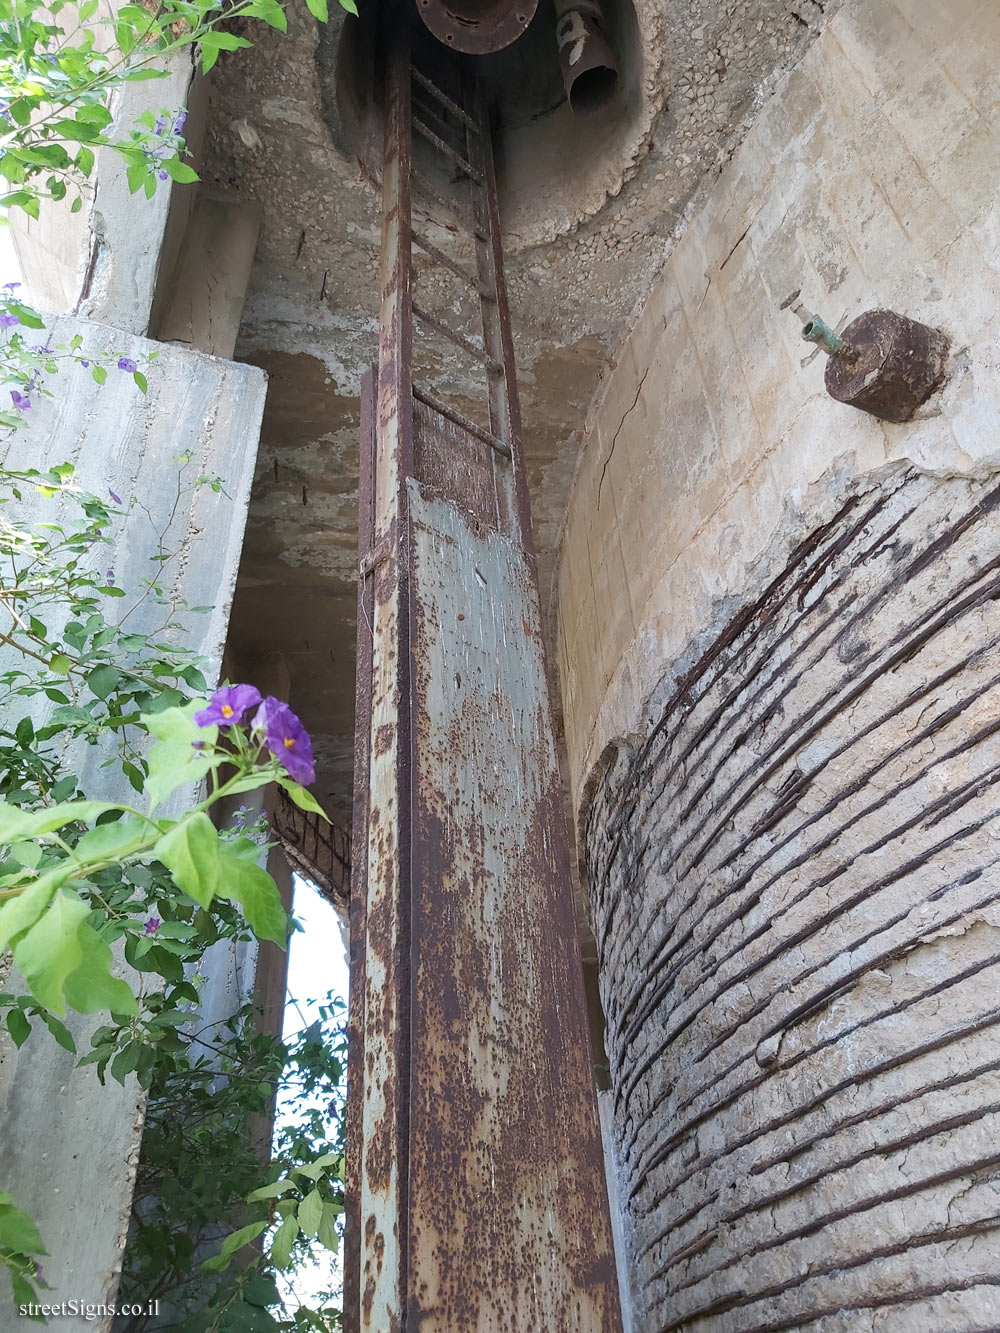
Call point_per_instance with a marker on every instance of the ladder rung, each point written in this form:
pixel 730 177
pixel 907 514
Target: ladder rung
pixel 449 206
pixel 466 167
pixel 470 348
pixel 441 258
pixel 445 100
pixel 480 432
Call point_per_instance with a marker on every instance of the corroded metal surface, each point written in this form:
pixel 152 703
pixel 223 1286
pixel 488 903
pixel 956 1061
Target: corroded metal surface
pixel 477 26
pixel 508 1224
pixel 385 1012
pixel 889 366
pixel 477 1192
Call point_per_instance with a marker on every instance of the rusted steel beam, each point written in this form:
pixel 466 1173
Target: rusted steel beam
pixel 359 857
pixel 383 1176
pixel 478 1191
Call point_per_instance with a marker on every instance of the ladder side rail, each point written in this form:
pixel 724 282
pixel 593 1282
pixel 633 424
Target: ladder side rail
pixel 385 1120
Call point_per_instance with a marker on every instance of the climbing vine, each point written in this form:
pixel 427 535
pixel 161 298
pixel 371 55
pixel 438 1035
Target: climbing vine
pixel 156 879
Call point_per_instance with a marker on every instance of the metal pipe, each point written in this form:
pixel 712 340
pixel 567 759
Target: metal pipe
pixel 590 68
pixel 816 330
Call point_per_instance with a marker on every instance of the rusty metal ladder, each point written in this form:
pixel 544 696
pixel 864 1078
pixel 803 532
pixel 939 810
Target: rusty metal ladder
pixel 452 698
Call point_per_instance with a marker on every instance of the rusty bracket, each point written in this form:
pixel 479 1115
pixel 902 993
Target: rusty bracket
pixel 378 555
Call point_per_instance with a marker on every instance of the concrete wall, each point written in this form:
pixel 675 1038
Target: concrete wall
pixel 68 1146
pixel 776 621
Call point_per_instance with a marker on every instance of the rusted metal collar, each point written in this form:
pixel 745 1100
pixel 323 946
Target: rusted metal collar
pixel 477 27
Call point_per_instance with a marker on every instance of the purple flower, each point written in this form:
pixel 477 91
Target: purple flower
pixel 7 320
pixel 126 363
pixel 20 402
pixel 153 924
pixel 110 578
pixel 10 286
pixel 39 348
pixel 163 175
pixel 161 125
pixel 286 738
pixel 179 120
pixel 40 1274
pixel 87 363
pixel 117 498
pixel 197 745
pixel 227 706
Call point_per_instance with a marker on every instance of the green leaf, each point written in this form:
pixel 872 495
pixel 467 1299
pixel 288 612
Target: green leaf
pixel 27 854
pixel 99 374
pixel 350 6
pixel 28 317
pixel 19 914
pixel 92 986
pixel 178 724
pixel 232 1243
pixel 303 798
pixel 16 824
pixel 125 1061
pixel 311 1213
pixel 261 1290
pixel 60 1031
pixel 190 851
pixel 327 1234
pixel 174 764
pixel 18 1026
pixel 284 1238
pixel 318 9
pixel 60 664
pixel 313 1170
pixel 114 841
pixel 50 950
pixel 18 1232
pixel 178 170
pixel 140 379
pixel 245 883
pixel 272 1191
pixel 103 681
pixel 269 12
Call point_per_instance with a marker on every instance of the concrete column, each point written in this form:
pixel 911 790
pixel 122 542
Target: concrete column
pixel 68 1146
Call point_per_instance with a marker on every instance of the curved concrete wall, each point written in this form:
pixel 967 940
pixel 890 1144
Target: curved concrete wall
pixel 778 634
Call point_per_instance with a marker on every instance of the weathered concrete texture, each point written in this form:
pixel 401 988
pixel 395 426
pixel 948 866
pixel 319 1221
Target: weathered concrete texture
pixel 99 261
pixel 798 925
pixel 68 1146
pixel 587 218
pixel 868 180
pixel 777 652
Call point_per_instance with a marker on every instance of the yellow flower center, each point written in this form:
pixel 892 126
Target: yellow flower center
pixel 289 742
pixel 227 710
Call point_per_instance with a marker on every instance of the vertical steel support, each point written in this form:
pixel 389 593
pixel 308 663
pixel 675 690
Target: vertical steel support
pixel 478 1198
pixel 383 1166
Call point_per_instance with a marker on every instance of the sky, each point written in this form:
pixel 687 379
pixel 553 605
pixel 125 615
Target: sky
pixel 317 964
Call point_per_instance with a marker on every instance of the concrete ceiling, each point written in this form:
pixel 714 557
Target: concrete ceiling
pixel 589 212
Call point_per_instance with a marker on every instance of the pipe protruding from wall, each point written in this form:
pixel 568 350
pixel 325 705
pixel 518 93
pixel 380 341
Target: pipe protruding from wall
pixel 590 68
pixel 816 330
pixel 883 363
